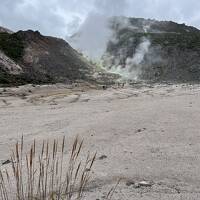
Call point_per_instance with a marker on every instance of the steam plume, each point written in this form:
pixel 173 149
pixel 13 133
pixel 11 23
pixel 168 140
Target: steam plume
pixel 133 67
pixel 94 33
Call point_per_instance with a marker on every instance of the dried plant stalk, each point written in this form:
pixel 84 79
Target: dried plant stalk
pixel 48 174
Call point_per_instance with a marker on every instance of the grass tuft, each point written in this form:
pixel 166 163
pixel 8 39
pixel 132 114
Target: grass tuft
pixel 47 173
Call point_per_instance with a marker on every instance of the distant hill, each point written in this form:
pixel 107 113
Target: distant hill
pixel 151 50
pixel 29 57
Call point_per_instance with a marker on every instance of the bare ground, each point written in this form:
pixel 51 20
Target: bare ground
pixel 145 134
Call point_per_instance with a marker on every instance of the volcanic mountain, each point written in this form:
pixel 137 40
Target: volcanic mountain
pixel 150 50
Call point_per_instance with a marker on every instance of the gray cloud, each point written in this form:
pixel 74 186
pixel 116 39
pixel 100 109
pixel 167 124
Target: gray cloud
pixel 63 17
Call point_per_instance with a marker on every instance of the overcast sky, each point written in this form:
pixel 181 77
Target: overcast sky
pixel 63 17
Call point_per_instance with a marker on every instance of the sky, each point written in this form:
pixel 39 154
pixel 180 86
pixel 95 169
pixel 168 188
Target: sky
pixel 62 18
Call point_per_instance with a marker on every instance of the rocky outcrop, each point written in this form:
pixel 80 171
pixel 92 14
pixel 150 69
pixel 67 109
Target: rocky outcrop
pixel 51 59
pixel 9 65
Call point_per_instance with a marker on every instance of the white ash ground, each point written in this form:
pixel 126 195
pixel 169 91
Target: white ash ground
pixel 146 134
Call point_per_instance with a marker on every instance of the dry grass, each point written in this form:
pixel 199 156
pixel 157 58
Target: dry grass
pixel 112 191
pixel 47 173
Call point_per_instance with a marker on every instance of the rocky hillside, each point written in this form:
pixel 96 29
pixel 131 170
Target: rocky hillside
pixel 29 57
pixel 153 50
pixel 139 49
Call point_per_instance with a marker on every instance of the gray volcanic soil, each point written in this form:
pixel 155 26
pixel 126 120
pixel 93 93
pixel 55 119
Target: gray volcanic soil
pixel 148 133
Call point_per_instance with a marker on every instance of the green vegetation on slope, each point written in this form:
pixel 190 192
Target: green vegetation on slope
pixel 7 79
pixel 12 45
pixel 181 41
pixel 184 41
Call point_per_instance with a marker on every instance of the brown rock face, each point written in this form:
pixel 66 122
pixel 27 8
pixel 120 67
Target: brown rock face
pixel 51 59
pixel 41 60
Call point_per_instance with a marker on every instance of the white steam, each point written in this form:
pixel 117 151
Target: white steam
pixel 133 66
pixel 138 57
pixel 94 34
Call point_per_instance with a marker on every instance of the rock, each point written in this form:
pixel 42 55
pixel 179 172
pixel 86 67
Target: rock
pixel 145 184
pixel 139 184
pixel 136 185
pixel 104 87
pixel 6 162
pixel 102 157
pixel 140 130
pixel 129 183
